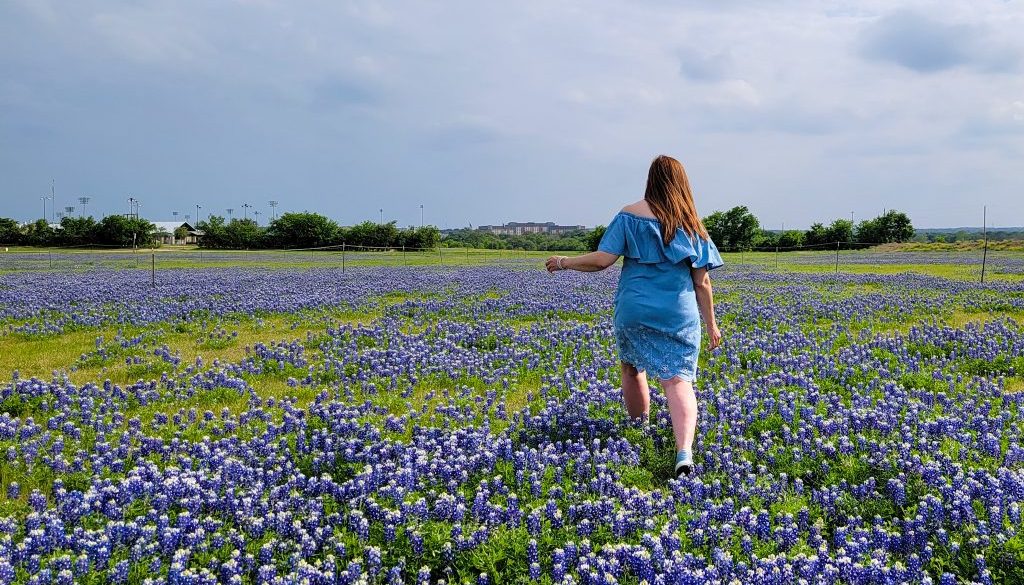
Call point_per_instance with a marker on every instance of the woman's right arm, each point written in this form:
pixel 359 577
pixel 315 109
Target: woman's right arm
pixel 706 304
pixel 592 262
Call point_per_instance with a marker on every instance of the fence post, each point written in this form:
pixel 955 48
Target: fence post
pixel 984 229
pixel 49 254
pixel 467 255
pixel 776 257
pixel 405 258
pixel 440 254
pixel 343 256
pixel 837 257
pixel 152 273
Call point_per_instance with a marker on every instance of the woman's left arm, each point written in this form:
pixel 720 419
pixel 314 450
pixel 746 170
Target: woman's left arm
pixel 592 262
pixel 706 304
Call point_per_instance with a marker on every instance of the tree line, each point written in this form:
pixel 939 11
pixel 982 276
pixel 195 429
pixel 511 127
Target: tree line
pixel 734 229
pixel 290 230
pixel 312 230
pixel 112 230
pixel 738 229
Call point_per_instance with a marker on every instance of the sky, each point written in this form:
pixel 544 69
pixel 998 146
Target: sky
pixel 534 110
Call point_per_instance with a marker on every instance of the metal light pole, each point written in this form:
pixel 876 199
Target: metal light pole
pixel 131 206
pixel 84 201
pixel 198 207
pixel 69 211
pixel 52 200
pixel 257 215
pixel 245 210
pixel 273 208
pixel 43 199
pixel 382 215
pixel 421 215
pixel 230 211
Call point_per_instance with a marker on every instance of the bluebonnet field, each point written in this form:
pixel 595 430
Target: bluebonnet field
pixel 419 425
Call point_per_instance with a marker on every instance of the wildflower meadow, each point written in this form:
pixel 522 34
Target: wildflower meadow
pixel 463 424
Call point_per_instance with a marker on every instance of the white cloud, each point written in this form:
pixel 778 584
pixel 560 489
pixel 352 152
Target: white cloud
pixel 553 109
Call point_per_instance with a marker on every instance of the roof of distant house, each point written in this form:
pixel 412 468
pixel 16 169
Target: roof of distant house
pixel 170 226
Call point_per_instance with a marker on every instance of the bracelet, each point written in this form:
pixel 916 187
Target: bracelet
pixel 558 262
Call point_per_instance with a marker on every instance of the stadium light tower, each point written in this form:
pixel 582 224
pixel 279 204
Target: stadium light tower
pixel 69 210
pixel 230 211
pixel 198 207
pixel 245 209
pixel 84 201
pixel 273 208
pixel 257 214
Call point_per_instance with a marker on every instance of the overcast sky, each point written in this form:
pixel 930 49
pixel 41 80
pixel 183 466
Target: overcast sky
pixel 533 110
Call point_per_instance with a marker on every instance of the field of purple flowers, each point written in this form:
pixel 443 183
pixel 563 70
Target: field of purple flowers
pixel 464 425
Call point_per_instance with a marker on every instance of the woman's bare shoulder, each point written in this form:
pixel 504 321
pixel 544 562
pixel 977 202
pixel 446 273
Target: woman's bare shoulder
pixel 639 208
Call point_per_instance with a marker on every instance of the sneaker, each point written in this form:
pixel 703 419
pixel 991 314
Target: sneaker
pixel 684 463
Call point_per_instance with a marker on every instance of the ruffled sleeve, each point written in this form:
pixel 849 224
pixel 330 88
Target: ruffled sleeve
pixel 614 239
pixel 639 238
pixel 705 254
pixel 698 252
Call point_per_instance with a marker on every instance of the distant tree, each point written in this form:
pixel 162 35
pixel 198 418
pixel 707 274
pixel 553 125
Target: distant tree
pixel 242 234
pixel 10 231
pixel 791 239
pixel 181 233
pixel 840 230
pixel 816 235
pixel 766 239
pixel 214 232
pixel 893 226
pixel 371 235
pixel 118 230
pixel 78 231
pixel 38 233
pixel 419 237
pixel 302 230
pixel 594 238
pixel 735 229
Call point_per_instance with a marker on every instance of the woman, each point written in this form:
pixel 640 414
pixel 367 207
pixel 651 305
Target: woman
pixel 664 291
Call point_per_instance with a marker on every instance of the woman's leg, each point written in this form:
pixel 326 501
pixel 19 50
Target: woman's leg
pixel 635 392
pixel 682 407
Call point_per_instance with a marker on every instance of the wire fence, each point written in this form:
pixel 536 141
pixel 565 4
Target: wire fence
pixel 832 255
pixel 340 256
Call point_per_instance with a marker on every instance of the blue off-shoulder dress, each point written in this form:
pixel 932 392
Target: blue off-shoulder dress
pixel 657 323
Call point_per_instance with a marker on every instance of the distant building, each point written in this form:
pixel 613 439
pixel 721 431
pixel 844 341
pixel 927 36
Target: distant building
pixel 165 232
pixel 515 228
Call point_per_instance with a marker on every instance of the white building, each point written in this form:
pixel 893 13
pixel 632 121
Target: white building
pixel 165 231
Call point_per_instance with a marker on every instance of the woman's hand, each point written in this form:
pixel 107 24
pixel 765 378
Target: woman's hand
pixel 714 337
pixel 552 263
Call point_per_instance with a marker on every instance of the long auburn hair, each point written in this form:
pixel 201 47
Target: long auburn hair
pixel 669 196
